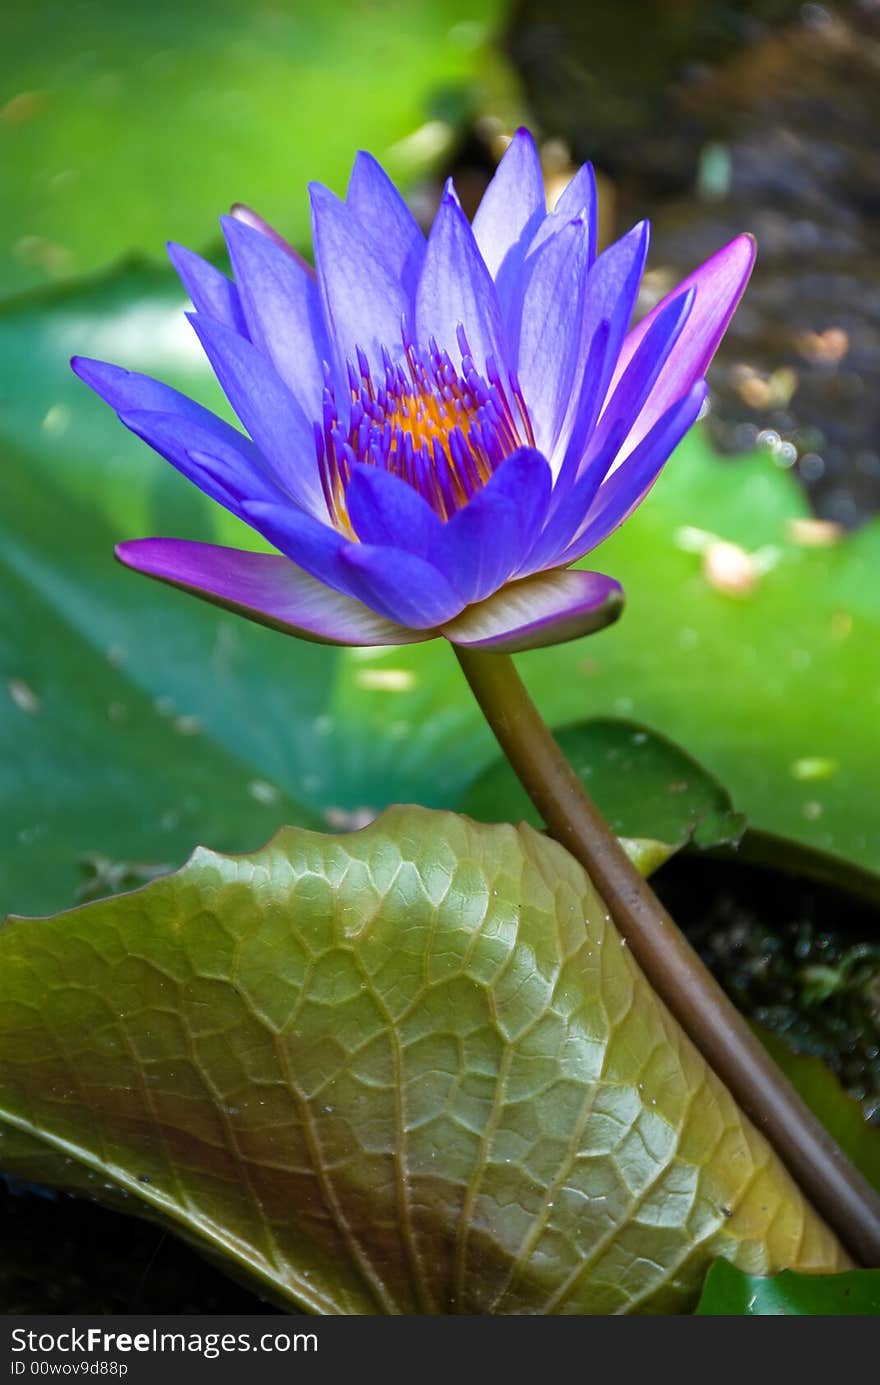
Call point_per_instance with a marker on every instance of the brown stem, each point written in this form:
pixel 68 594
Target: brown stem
pixel 836 1189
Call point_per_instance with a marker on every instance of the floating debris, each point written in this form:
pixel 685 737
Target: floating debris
pixel 23 696
pixel 385 679
pixel 815 533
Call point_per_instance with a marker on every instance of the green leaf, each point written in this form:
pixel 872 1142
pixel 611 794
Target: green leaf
pixel 842 1116
pixel 143 122
pixel 409 1069
pixel 729 1291
pixel 646 788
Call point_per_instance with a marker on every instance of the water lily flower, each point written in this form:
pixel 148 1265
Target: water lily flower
pixel 434 429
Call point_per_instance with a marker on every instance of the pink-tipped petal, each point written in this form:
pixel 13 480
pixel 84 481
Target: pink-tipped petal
pixel 547 609
pixel 265 588
pixel 718 285
pixel 249 217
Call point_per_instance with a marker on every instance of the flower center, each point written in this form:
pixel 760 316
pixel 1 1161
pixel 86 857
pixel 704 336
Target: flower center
pixel 441 430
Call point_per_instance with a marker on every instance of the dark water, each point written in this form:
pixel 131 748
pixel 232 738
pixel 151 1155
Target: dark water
pixel 66 1255
pixel 800 958
pixel 717 118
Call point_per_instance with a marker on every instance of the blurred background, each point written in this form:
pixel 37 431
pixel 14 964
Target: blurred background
pixel 136 722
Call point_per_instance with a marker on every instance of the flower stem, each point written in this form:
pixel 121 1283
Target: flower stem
pixel 835 1188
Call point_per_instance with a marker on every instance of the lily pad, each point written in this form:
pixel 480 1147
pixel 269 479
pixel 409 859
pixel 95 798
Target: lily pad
pixel 107 774
pixel 728 1291
pixel 646 787
pixel 142 122
pixel 409 1069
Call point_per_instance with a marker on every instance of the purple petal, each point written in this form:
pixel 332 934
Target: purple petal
pixel 609 298
pixel 719 284
pixel 384 509
pixel 227 473
pixel 549 330
pixel 137 397
pixel 482 546
pixel 364 303
pixel 627 487
pixel 378 205
pixel 126 390
pixel 456 289
pixel 248 217
pixel 282 310
pixel 638 380
pixel 400 586
pixel 264 588
pixel 268 410
pixel 512 208
pixel 548 609
pixel 304 540
pixel 210 291
pixel 578 199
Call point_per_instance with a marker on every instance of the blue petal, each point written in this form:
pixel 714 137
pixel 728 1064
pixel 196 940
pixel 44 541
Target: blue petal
pixel 609 297
pixel 509 214
pixel 364 303
pixel 380 208
pixel 282 309
pixel 549 330
pixel 627 487
pixel 240 211
pixel 512 203
pixel 210 291
pixel 456 289
pixel 586 410
pixel 264 588
pixel 572 501
pixel 719 284
pixel 228 472
pixel 383 509
pixel 268 410
pixel 482 545
pixel 578 199
pixel 400 586
pixel 128 393
pixel 312 545
pixel 640 376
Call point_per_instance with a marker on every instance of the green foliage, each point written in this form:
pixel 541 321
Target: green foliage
pixel 141 122
pixel 842 1116
pixel 728 1291
pixel 645 786
pixel 406 1069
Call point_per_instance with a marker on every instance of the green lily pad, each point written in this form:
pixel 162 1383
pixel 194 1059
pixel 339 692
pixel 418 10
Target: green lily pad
pixel 728 1291
pixel 645 786
pixel 409 1069
pixel 124 126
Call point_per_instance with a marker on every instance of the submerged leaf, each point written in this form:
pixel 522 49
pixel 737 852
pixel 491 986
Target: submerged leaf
pixel 411 1069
